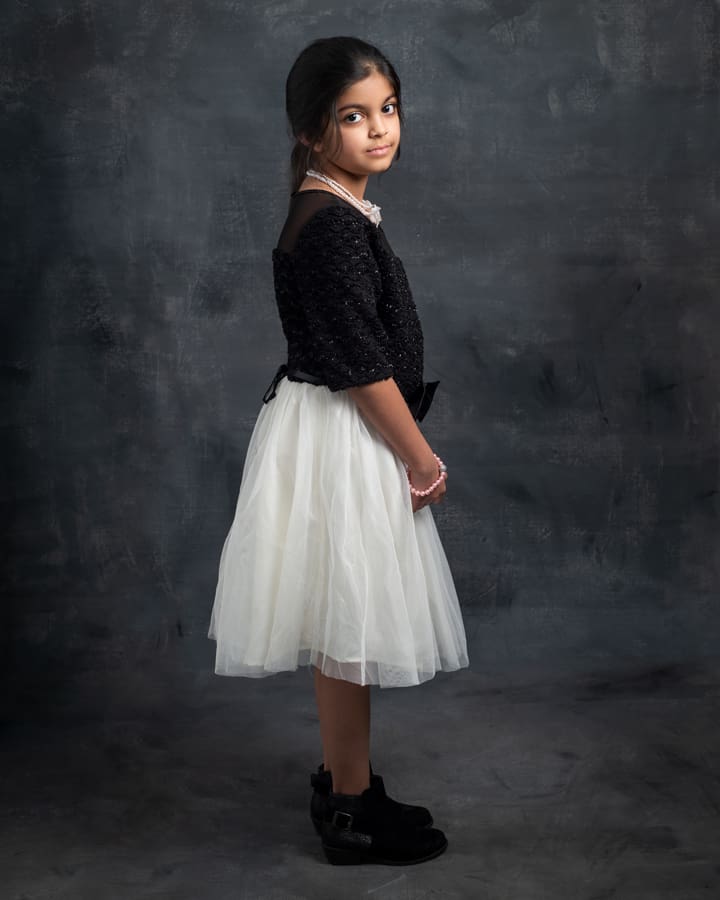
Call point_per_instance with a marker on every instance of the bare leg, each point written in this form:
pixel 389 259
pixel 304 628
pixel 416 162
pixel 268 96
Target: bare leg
pixel 344 710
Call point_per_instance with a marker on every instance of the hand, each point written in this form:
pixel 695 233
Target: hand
pixel 422 484
pixel 384 407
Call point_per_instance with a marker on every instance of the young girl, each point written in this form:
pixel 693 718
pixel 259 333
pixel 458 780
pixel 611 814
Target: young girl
pixel 333 558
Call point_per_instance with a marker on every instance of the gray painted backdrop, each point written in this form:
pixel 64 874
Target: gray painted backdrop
pixel 556 206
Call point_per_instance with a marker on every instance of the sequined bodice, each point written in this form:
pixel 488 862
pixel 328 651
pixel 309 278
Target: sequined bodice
pixel 343 296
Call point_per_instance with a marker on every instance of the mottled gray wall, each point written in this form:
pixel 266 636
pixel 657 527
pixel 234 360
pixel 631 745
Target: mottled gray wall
pixel 556 206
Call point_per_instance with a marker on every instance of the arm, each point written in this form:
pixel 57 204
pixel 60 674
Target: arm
pixel 382 404
pixel 339 283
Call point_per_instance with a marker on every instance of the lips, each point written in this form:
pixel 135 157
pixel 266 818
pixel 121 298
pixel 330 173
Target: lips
pixel 378 149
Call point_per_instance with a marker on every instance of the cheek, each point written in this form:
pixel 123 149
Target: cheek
pixel 352 141
pixel 335 146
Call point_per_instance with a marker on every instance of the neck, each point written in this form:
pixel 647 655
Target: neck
pixel 356 184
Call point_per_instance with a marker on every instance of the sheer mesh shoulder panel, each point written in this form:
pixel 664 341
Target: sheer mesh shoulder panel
pixel 303 206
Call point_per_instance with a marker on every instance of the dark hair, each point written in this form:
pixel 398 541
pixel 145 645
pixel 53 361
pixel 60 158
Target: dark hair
pixel 322 71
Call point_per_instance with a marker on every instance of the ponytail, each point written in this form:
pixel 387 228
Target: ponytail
pixel 300 159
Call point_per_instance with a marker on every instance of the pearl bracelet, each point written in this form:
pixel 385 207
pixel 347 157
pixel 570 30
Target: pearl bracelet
pixel 443 471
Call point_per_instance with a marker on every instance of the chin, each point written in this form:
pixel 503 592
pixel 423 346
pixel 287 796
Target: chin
pixel 381 164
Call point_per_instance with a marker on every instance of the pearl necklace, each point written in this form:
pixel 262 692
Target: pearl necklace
pixel 371 210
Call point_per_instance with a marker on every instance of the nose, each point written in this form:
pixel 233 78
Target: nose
pixel 378 128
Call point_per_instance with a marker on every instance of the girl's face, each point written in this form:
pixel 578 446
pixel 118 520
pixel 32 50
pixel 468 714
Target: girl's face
pixel 369 130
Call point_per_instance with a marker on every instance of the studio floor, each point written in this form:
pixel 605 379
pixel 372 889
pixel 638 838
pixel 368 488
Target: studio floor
pixel 582 787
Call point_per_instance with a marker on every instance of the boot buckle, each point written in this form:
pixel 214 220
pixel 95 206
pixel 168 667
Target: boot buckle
pixel 341 819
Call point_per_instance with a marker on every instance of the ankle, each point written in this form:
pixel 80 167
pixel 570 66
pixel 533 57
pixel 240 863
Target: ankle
pixel 350 784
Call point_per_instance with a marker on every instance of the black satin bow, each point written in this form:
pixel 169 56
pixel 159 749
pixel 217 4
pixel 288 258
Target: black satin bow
pixel 272 388
pixel 420 401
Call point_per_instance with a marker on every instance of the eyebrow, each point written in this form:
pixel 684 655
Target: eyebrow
pixel 360 106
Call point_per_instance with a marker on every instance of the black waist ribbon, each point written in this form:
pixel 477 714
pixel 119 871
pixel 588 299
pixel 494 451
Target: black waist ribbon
pixel 419 402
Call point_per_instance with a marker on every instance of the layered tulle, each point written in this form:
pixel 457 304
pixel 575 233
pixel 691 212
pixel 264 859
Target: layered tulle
pixel 325 562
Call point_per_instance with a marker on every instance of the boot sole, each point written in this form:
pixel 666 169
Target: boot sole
pixel 340 857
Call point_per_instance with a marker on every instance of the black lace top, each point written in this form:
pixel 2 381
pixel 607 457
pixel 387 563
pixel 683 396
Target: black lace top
pixel 343 296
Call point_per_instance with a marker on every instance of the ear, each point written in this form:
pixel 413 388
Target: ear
pixel 317 146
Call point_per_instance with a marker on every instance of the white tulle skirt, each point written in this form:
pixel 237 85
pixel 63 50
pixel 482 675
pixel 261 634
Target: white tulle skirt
pixel 325 562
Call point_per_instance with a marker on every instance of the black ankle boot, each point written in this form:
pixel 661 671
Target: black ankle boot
pixel 357 829
pixel 417 816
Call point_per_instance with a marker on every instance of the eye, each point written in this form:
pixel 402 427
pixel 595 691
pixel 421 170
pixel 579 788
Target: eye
pixel 390 106
pixel 349 118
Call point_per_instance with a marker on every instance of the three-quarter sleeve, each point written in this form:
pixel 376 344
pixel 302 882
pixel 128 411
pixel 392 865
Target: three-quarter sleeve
pixel 338 285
